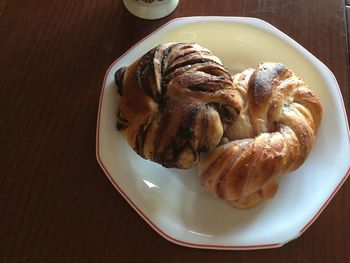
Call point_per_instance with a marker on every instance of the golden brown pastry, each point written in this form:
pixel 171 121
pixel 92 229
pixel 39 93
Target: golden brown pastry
pixel 273 134
pixel 174 103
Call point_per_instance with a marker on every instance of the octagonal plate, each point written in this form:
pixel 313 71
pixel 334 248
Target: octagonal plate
pixel 173 202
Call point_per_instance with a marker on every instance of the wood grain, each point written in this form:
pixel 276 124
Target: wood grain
pixel 56 204
pixel 3 5
pixel 347 13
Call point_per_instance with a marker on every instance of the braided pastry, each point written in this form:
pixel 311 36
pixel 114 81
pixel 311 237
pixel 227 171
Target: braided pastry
pixel 273 134
pixel 175 102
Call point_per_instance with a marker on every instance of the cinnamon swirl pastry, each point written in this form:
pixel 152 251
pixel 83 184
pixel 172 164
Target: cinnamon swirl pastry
pixel 272 134
pixel 175 102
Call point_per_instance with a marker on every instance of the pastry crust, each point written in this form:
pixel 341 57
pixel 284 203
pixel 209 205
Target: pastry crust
pixel 174 103
pixel 273 134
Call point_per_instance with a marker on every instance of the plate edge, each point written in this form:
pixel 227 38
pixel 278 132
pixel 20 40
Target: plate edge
pixel 149 221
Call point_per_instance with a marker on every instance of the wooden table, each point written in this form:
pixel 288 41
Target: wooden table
pixel 56 205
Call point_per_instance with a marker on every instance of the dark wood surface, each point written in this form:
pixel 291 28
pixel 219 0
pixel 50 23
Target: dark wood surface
pixel 347 11
pixel 56 205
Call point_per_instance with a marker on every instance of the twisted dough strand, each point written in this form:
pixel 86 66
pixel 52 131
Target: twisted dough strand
pixel 273 134
pixel 174 103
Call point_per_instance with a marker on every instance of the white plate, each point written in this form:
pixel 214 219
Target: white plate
pixel 173 202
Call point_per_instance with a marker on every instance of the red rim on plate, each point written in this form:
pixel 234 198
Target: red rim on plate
pixel 149 221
